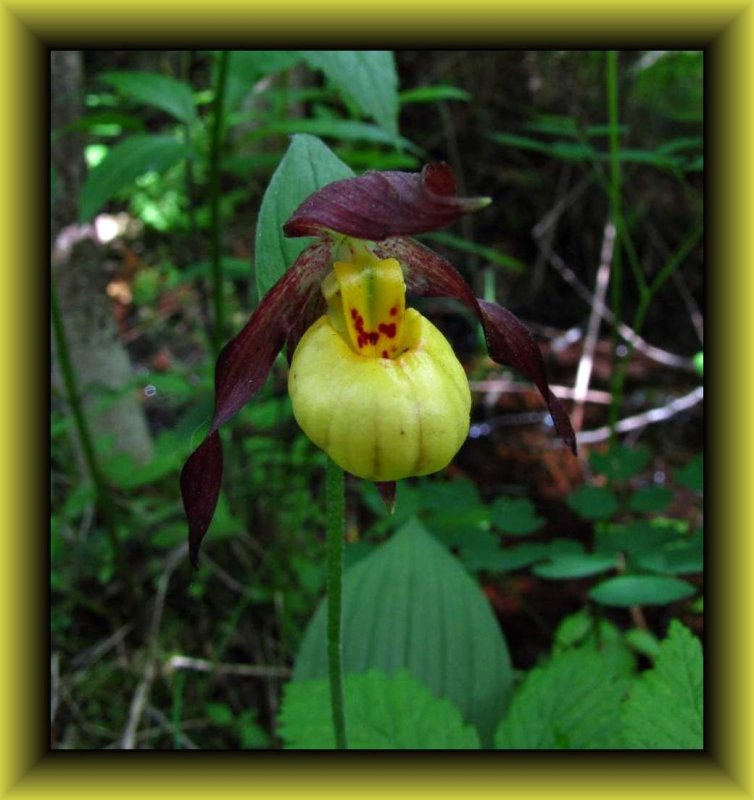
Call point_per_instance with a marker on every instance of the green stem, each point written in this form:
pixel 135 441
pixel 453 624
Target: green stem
pixel 335 533
pixel 214 184
pixel 104 501
pixel 616 215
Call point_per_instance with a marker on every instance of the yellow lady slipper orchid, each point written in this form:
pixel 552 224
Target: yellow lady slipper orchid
pixel 376 385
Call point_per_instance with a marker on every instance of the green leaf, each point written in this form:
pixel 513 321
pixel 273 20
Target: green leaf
pixel 247 67
pixel 521 142
pixel 572 702
pixel 643 641
pixel 664 709
pixel 515 515
pixel 692 475
pixel 593 502
pixel 123 164
pixel 308 165
pixel 345 129
pixel 620 462
pixel 411 605
pixel 684 555
pixel 487 253
pixel 219 713
pixel 383 712
pixel 432 94
pixel 367 77
pixel 575 566
pixel 166 93
pixel 650 499
pixel 641 590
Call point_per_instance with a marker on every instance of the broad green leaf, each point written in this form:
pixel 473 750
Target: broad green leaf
pixel 487 253
pixel 411 605
pixel 664 709
pixel 383 711
pixel 509 559
pixel 123 164
pixel 641 590
pixel 593 502
pixel 635 538
pixel 515 515
pixel 431 94
pixel 571 703
pixel 308 165
pixel 650 499
pixel 166 93
pixel 448 497
pixel 620 462
pixel 367 77
pixel 575 566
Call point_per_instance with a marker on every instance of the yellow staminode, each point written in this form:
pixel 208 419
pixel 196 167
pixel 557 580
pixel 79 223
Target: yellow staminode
pixel 374 384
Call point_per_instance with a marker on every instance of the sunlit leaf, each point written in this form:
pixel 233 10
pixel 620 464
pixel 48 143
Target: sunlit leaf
pixel 572 702
pixel 384 711
pixel 664 709
pixel 125 162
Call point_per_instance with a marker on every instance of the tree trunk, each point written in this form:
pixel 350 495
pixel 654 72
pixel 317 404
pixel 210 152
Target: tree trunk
pixel 100 361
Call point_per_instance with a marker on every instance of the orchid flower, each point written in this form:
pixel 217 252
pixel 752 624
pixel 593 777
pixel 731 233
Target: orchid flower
pixel 373 383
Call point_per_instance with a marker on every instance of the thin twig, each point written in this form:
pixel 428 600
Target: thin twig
pixel 141 695
pixel 246 670
pixel 586 362
pixel 650 417
pixel 502 386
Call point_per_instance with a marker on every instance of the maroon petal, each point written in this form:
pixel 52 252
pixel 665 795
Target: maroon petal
pixel 377 205
pixel 509 341
pixel 241 370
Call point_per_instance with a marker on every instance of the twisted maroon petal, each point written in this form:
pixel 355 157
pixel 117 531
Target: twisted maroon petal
pixel 509 341
pixel 241 370
pixel 377 205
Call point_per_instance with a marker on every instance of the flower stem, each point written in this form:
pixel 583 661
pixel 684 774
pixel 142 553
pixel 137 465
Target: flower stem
pixel 214 185
pixel 335 532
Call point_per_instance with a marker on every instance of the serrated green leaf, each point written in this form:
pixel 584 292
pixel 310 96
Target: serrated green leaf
pixel 515 515
pixel 166 93
pixel 593 502
pixel 641 590
pixel 411 605
pixel 308 165
pixel 572 702
pixel 123 164
pixel 367 77
pixel 575 566
pixel 620 462
pixel 664 709
pixel 383 711
pixel 650 499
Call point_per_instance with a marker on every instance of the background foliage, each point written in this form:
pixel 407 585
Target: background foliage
pixel 519 599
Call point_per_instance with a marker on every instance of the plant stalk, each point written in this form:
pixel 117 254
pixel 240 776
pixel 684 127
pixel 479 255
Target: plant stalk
pixel 214 187
pixel 335 535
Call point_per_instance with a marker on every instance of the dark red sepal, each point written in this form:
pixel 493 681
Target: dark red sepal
pixel 201 477
pixel 377 205
pixel 241 370
pixel 387 493
pixel 509 341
